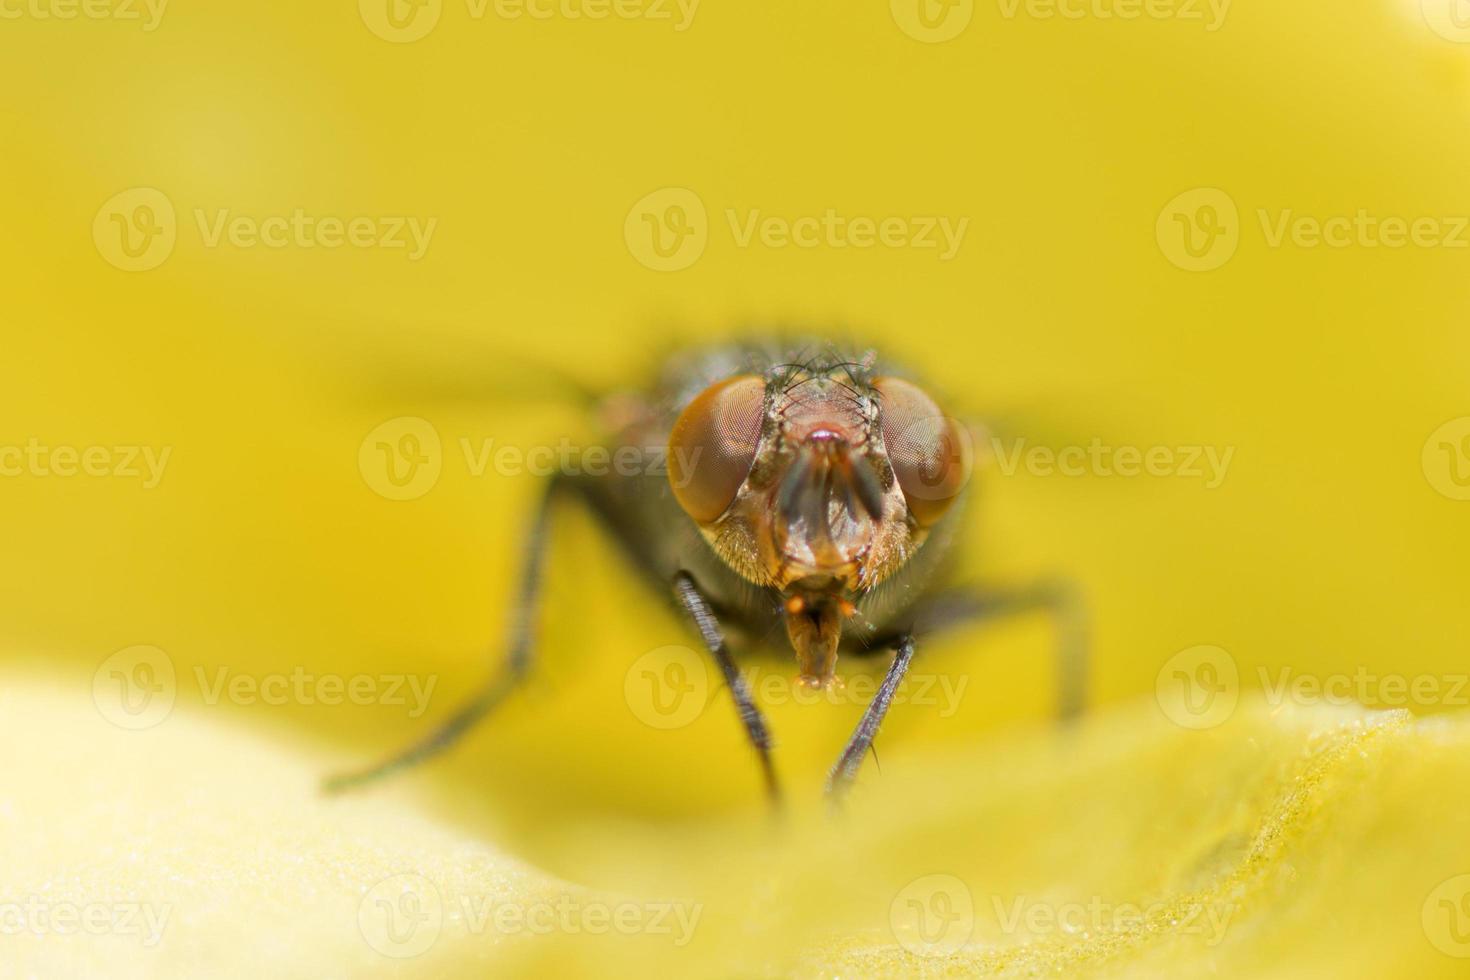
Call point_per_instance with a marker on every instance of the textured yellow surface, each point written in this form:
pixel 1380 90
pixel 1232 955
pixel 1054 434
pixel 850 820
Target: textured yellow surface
pixel 262 545
pixel 1282 844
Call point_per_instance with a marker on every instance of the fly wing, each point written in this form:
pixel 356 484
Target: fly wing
pixel 399 365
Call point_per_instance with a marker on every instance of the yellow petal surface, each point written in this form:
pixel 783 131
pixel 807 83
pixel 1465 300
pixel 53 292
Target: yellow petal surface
pixel 1297 842
pixel 1202 264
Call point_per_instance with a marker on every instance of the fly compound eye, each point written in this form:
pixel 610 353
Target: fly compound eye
pixel 930 452
pixel 713 445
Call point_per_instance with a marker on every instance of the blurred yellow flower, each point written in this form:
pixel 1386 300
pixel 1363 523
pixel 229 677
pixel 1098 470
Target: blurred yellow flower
pixel 284 286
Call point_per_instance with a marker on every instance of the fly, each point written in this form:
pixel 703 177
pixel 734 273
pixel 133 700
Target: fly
pixel 808 492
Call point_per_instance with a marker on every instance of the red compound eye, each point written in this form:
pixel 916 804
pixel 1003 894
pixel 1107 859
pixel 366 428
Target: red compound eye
pixel 929 451
pixel 713 445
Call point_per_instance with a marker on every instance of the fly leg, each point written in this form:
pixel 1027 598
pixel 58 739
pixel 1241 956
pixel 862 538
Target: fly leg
pixel 520 643
pixel 962 606
pixel 844 770
pixel 698 608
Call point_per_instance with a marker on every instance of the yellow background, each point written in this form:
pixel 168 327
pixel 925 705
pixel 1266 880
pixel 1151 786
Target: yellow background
pixel 1327 549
